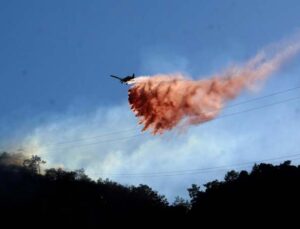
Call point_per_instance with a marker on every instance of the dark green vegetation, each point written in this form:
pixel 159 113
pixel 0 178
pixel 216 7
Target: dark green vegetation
pixel 29 197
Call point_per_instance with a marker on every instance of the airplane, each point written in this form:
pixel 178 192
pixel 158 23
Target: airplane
pixel 125 79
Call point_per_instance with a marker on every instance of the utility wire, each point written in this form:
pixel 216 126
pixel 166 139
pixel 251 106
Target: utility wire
pixel 133 129
pixel 200 170
pixel 93 137
pixel 208 120
pixel 220 117
pixel 105 141
pixel 259 108
pixel 230 106
pixel 263 97
pixel 136 128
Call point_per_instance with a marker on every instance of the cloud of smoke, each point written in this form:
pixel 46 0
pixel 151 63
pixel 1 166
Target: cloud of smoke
pixel 162 102
pixel 12 158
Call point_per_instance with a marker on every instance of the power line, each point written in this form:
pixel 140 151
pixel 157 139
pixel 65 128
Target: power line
pixel 132 129
pixel 261 107
pixel 230 106
pixel 224 116
pixel 106 141
pixel 201 170
pixel 220 117
pixel 264 96
pixel 93 137
pixel 208 120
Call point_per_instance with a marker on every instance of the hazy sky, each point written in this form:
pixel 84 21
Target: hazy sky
pixel 56 57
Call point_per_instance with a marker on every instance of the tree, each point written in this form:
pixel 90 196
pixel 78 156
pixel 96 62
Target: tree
pixel 34 164
pixel 213 185
pixel 194 192
pixel 181 203
pixel 80 175
pixel 231 176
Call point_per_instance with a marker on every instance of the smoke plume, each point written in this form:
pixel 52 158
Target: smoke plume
pixel 162 102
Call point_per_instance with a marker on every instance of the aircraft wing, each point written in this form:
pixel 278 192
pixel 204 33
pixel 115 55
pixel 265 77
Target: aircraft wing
pixel 116 77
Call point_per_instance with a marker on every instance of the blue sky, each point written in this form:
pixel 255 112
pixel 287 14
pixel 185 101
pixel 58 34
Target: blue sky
pixel 56 57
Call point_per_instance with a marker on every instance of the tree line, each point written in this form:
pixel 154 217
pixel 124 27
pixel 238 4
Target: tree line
pixel 58 197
